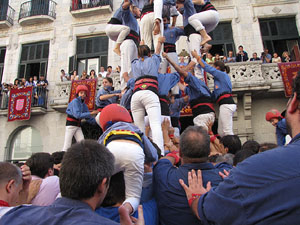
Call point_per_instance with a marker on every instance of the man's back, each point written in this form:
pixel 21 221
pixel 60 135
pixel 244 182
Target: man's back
pixel 263 189
pixel 63 211
pixel 171 199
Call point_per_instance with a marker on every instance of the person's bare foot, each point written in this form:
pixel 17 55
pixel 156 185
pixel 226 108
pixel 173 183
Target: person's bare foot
pixel 156 29
pixel 117 51
pixel 205 39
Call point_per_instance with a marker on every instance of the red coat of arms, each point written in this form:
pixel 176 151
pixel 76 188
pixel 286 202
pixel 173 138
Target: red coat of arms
pixel 20 104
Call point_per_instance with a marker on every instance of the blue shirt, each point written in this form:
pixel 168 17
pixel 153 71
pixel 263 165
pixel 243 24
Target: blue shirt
pixel 263 189
pixel 149 210
pixel 79 110
pixel 149 150
pixel 281 132
pixel 222 82
pixel 149 66
pixel 196 88
pixel 63 211
pixel 129 20
pixel 106 91
pixel 172 34
pixel 166 82
pixel 118 14
pixel 189 10
pixel 170 196
pixel 176 107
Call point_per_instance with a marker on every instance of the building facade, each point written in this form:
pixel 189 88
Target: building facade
pixel 41 37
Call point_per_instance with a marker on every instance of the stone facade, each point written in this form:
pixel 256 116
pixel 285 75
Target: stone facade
pixel 257 87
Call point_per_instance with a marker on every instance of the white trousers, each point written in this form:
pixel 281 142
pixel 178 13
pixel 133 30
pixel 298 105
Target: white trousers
pixel 146 30
pixel 149 101
pixel 117 32
pixel 129 158
pixel 203 120
pixel 128 53
pixel 70 132
pixel 226 112
pixel 207 20
pixel 194 42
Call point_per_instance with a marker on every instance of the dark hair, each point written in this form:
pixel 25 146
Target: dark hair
pixel 116 190
pixel 109 79
pixel 9 171
pixel 232 142
pixel 241 156
pixel 194 143
pixel 267 146
pixel 241 46
pixel 296 86
pixel 58 156
pixel 251 146
pixel 109 67
pixel 143 51
pixel 40 163
pixel 83 169
pixel 62 70
pixel 91 72
pixel 222 66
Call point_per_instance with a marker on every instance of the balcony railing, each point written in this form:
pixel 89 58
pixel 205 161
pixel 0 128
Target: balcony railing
pixel 88 4
pixel 7 13
pixel 39 98
pixel 38 8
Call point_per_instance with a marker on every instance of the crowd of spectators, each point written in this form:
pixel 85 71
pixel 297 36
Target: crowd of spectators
pixel 39 90
pixel 242 56
pixel 91 75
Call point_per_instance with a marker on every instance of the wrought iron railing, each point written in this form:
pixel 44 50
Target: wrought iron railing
pixel 86 4
pixel 39 97
pixel 38 7
pixel 7 13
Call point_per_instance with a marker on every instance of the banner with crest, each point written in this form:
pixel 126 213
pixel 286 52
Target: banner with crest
pixel 288 72
pixel 19 105
pixel 91 84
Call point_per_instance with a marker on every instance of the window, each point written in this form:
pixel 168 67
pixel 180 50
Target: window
pixel 279 34
pixel 91 53
pixel 34 59
pixel 2 58
pixel 222 39
pixel 25 141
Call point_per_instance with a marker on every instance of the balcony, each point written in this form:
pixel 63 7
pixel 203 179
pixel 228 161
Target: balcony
pixel 38 101
pixel 253 76
pixel 37 11
pixel 91 8
pixel 7 15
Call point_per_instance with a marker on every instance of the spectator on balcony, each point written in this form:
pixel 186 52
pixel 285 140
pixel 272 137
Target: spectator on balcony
pixel 84 75
pixel 265 56
pixel 85 3
pixel 29 82
pixel 42 82
pixel 276 58
pixel 102 72
pixel 16 83
pixel 92 74
pixel 217 57
pixel 254 57
pixel 109 71
pixel 41 90
pixel 286 57
pixel 74 75
pixel 241 55
pixel 35 81
pixel 230 58
pixel 64 76
pixel 209 59
pixel 22 83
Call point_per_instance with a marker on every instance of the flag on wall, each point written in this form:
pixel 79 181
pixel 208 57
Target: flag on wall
pixel 19 105
pixel 91 84
pixel 288 72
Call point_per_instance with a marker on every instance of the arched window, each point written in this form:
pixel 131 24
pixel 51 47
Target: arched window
pixel 23 142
